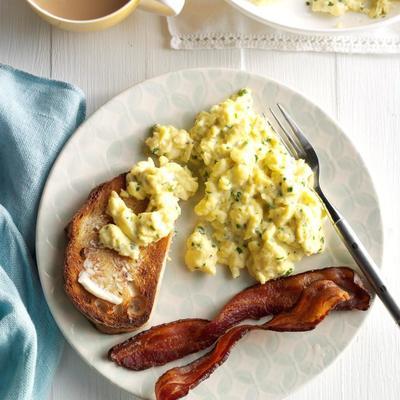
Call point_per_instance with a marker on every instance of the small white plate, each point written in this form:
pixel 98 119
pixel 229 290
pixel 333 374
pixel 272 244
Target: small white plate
pixel 296 16
pixel 264 365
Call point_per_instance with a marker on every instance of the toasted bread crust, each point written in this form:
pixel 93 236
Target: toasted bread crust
pixel 82 234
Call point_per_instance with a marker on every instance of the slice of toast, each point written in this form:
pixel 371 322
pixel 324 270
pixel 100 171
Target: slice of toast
pixel 137 283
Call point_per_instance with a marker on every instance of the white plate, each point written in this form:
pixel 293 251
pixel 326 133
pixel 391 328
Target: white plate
pixel 296 16
pixel 264 365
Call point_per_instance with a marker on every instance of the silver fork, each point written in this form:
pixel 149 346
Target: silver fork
pixel 299 147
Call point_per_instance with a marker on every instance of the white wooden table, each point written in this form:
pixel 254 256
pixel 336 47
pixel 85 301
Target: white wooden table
pixel 362 92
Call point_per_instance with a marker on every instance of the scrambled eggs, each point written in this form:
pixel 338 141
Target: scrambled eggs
pixel 163 186
pixel 376 8
pixel 373 8
pixel 175 144
pixel 259 209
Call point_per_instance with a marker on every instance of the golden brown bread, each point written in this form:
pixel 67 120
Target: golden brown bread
pixel 139 294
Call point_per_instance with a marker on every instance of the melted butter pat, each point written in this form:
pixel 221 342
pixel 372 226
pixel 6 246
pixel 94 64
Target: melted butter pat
pixel 92 287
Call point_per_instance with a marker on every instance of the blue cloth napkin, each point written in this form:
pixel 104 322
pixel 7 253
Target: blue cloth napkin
pixel 37 116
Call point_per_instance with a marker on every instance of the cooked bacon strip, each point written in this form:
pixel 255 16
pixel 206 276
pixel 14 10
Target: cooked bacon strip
pixel 317 300
pixel 161 344
pixel 164 343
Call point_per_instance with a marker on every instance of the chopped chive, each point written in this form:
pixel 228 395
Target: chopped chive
pixel 237 195
pixel 288 272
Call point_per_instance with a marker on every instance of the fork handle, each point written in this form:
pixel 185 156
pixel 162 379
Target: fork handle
pixel 362 258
